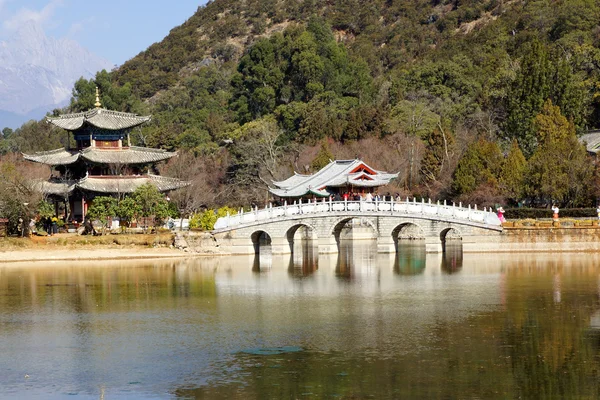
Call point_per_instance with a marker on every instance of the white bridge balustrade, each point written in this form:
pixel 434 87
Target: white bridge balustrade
pixel 390 220
pixel 446 212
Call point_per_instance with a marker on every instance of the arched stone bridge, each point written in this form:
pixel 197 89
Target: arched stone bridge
pixel 390 221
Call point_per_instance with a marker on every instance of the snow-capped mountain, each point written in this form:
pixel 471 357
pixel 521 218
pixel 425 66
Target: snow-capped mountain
pixel 38 72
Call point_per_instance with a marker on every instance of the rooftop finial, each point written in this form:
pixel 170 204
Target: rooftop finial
pixel 97 104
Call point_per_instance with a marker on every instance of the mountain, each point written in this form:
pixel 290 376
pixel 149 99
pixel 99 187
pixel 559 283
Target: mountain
pixel 468 99
pixel 38 72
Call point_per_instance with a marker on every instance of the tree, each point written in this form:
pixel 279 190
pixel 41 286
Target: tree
pixel 258 157
pixel 559 170
pixel 527 95
pixel 19 198
pixel 323 158
pixel 480 165
pixel 415 118
pixel 512 176
pixel 151 203
pixel 102 209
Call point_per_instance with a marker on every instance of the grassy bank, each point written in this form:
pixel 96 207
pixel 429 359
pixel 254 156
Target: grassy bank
pixel 67 240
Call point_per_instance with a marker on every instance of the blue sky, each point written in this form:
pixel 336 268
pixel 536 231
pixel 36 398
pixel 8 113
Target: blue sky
pixel 115 30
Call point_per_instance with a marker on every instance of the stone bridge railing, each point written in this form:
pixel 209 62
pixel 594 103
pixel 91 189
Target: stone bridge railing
pixel 403 208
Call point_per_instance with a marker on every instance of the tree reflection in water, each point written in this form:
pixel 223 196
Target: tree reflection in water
pixel 410 257
pixel 183 328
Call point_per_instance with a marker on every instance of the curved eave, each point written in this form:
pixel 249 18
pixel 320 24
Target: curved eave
pixel 129 184
pixel 53 157
pixel 99 118
pixel 54 188
pixel 128 156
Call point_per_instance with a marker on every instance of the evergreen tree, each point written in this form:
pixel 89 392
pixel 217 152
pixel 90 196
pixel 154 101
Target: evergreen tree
pixel 513 173
pixel 323 158
pixel 480 165
pixel 527 95
pixel 559 170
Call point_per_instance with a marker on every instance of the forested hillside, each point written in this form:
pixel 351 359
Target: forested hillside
pixel 470 100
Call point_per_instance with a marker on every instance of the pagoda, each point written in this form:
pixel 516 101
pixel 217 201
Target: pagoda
pixel 337 177
pixel 103 163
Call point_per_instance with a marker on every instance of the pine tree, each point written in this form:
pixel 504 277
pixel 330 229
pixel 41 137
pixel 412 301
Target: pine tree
pixel 513 173
pixel 527 95
pixel 559 170
pixel 323 158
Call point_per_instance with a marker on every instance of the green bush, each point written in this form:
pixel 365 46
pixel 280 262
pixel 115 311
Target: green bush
pixel 207 219
pixel 536 213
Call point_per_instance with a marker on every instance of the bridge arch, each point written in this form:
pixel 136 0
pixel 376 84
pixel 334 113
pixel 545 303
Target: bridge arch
pixel 260 238
pixel 291 232
pixel 408 230
pixel 337 226
pixel 450 233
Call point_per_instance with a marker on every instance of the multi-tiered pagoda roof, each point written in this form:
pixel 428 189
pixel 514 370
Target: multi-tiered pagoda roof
pixel 123 155
pixel 103 161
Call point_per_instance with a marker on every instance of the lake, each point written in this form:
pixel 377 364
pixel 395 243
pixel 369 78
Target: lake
pixel 359 325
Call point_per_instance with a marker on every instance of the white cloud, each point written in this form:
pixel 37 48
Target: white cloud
pixel 26 14
pixel 79 26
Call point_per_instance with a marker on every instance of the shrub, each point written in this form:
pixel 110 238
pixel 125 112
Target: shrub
pixel 207 219
pixel 534 213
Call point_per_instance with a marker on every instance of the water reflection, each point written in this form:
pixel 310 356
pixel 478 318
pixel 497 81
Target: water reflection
pixel 410 257
pixel 355 258
pixel 452 258
pixel 506 326
pixel 305 258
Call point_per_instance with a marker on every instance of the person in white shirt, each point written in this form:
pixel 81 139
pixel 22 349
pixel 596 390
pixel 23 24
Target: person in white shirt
pixel 555 212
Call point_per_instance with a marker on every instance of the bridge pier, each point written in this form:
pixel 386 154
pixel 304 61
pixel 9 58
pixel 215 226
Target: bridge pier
pixel 327 245
pixel 433 245
pixel 280 245
pixel 386 244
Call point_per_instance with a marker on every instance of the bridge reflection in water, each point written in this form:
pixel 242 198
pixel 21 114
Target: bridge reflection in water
pixel 357 258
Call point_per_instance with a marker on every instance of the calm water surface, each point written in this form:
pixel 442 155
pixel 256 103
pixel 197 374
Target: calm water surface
pixel 360 325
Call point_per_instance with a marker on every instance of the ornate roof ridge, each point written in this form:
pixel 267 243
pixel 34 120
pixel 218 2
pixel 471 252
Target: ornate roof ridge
pixel 96 111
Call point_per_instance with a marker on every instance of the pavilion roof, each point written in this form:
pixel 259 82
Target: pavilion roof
pixel 130 155
pixel 53 157
pixel 54 187
pixel 592 141
pixel 125 155
pixel 128 184
pixel 98 117
pixel 335 174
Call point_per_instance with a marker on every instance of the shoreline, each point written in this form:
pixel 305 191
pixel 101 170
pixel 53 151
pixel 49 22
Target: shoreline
pixel 99 254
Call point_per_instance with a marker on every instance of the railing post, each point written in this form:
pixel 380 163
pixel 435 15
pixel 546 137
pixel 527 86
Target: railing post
pixel 285 208
pixel 345 204
pixel 391 205
pixel 376 204
pixel 300 206
pixel 330 203
pixel 228 218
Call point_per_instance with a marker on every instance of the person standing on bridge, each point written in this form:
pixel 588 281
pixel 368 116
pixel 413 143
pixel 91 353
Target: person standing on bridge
pixel 555 212
pixel 501 214
pixel 369 197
